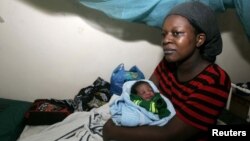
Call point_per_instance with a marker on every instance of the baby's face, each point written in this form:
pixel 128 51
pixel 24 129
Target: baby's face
pixel 145 92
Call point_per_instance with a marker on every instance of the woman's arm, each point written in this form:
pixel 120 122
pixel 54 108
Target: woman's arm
pixel 175 130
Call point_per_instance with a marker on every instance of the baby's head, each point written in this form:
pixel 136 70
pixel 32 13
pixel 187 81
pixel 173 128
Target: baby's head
pixel 143 89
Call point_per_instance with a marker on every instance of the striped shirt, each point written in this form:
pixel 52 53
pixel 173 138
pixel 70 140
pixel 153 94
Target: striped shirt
pixel 197 102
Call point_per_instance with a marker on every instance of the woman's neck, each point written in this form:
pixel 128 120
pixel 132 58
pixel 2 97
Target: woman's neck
pixel 189 69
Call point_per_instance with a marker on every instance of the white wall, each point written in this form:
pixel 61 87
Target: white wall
pixel 235 58
pixel 52 49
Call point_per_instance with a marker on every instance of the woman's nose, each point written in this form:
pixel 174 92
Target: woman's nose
pixel 167 38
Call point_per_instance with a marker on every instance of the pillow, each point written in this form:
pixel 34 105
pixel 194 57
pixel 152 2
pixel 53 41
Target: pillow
pixel 47 112
pixel 12 118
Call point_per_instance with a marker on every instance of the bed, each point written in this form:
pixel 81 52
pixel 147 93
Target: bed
pixel 230 115
pixel 86 125
pixel 91 111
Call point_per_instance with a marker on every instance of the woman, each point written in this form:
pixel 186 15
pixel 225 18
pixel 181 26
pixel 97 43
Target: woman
pixel 187 75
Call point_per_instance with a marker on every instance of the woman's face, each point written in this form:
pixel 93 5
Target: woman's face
pixel 178 39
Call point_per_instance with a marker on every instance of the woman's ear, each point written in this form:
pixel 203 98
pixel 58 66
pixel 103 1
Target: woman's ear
pixel 200 39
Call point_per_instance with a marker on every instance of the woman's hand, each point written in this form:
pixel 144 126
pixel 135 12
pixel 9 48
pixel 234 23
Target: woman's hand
pixel 107 129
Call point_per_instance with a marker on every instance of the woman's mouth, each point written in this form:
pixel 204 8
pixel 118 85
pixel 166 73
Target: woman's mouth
pixel 168 51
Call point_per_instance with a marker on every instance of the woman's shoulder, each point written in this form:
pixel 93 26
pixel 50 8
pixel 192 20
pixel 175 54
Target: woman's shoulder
pixel 217 70
pixel 214 74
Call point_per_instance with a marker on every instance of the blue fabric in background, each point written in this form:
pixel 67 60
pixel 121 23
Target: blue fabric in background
pixel 120 75
pixel 152 12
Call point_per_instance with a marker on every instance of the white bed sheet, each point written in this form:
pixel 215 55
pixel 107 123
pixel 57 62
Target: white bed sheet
pixel 91 122
pixel 31 130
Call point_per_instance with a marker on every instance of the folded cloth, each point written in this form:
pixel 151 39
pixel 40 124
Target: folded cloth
pixel 124 112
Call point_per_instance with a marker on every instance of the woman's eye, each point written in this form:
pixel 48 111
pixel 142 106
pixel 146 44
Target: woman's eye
pixel 173 34
pixel 176 34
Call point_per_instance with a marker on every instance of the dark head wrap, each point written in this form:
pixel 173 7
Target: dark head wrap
pixel 202 18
